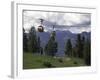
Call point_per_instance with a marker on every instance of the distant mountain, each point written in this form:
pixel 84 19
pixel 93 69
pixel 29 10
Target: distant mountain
pixel 44 38
pixel 61 38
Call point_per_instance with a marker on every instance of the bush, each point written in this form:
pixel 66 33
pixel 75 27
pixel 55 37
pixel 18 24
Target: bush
pixel 47 64
pixel 75 62
pixel 60 60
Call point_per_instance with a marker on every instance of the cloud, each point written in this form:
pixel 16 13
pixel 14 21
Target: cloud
pixel 75 22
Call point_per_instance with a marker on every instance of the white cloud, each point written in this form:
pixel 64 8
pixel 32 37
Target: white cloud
pixel 75 22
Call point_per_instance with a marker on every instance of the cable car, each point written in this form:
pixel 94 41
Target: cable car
pixel 41 28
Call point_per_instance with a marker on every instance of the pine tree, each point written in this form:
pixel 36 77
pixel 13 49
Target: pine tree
pixel 87 52
pixel 68 48
pixel 51 46
pixel 79 46
pixel 25 41
pixel 80 42
pixel 83 44
pixel 34 41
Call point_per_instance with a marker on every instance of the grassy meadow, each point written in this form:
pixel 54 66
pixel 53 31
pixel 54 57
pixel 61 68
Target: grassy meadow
pixel 33 61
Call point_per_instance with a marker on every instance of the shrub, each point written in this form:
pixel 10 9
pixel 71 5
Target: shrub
pixel 60 60
pixel 75 62
pixel 47 64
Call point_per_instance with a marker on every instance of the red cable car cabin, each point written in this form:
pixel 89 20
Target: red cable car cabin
pixel 40 29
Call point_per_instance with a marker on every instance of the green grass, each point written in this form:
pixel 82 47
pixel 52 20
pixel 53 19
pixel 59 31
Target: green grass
pixel 33 61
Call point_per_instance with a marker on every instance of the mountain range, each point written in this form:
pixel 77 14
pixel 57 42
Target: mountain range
pixel 61 38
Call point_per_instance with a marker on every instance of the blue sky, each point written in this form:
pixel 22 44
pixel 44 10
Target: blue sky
pixel 74 22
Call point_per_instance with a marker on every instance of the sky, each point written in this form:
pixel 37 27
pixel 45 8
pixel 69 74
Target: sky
pixel 74 22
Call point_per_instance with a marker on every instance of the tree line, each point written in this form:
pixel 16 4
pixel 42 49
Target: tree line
pixel 32 43
pixel 82 49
